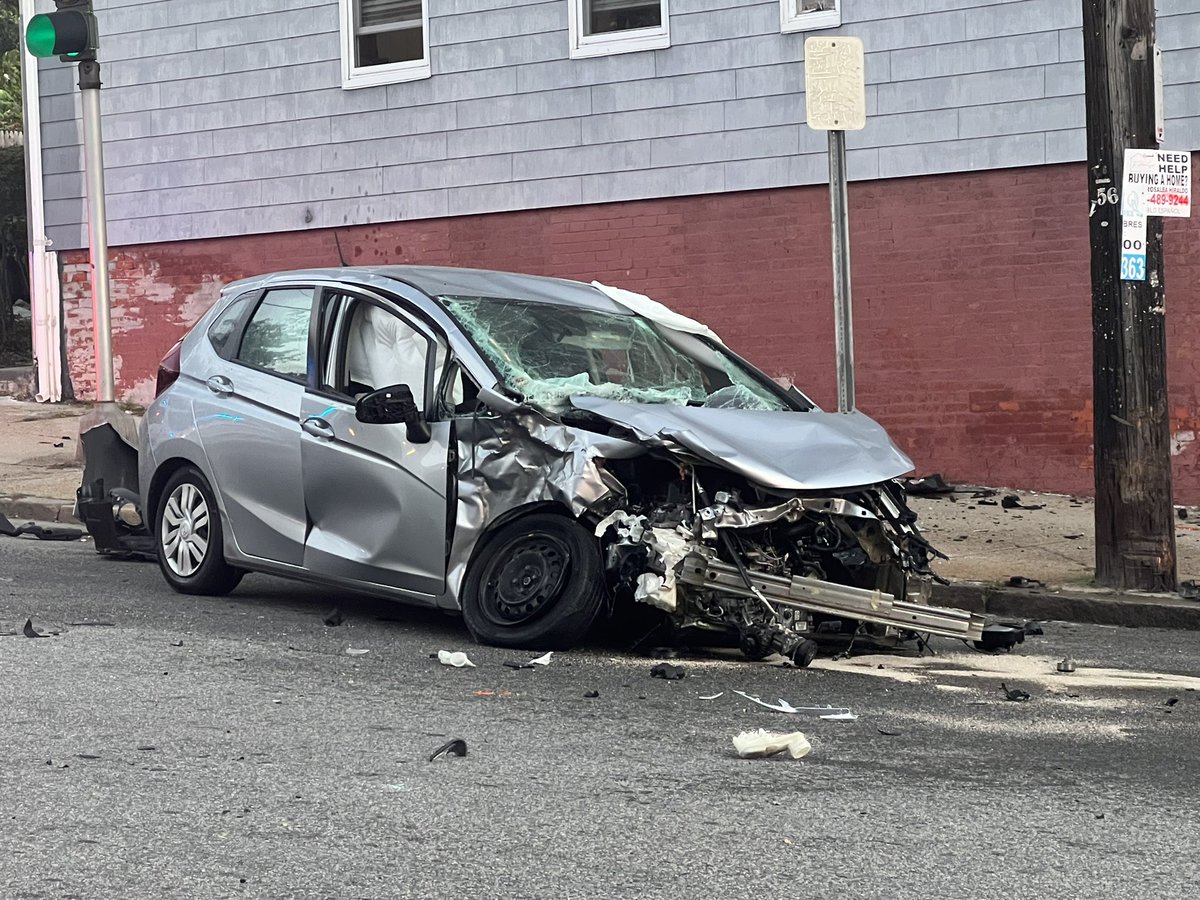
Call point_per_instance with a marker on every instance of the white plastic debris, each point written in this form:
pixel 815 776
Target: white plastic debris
pixel 458 659
pixel 755 744
pixel 356 651
pixel 846 716
pixel 713 696
pixel 543 660
pixel 825 712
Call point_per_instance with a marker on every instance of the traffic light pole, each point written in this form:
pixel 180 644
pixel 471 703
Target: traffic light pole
pixel 93 160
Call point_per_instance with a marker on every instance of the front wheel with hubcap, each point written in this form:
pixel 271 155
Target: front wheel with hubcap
pixel 188 538
pixel 536 583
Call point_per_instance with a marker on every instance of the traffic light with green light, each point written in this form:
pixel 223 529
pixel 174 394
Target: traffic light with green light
pixel 70 33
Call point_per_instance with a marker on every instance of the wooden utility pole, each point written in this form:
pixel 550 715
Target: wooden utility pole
pixel 1135 532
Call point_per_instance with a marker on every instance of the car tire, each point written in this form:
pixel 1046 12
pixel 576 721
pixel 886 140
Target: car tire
pixel 188 538
pixel 536 583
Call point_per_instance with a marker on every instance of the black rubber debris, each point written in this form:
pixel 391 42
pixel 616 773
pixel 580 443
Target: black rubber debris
pixel 667 672
pixel 1012 501
pixel 1020 581
pixel 1000 637
pixel 335 618
pixel 456 747
pixel 887 733
pixel 592 695
pixel 53 533
pixel 31 632
pixel 1016 695
pixel 1172 701
pixel 930 485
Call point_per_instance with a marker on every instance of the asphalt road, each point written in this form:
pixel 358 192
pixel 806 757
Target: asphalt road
pixel 259 760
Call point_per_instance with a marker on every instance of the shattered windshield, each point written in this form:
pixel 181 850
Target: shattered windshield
pixel 548 353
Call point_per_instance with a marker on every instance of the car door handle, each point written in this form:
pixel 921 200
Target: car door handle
pixel 219 384
pixel 317 427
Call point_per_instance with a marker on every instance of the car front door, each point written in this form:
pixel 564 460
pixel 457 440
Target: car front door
pixel 248 417
pixel 376 501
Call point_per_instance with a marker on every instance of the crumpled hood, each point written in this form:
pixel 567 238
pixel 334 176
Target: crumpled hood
pixel 785 450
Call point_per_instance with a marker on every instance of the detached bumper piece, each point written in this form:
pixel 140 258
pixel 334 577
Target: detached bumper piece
pixel 815 595
pixel 114 520
pixel 108 502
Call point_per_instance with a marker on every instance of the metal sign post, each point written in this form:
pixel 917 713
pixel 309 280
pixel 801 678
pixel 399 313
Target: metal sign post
pixel 93 156
pixel 836 101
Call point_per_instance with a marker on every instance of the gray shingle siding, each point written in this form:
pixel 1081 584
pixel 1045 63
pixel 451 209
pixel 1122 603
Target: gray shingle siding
pixel 214 129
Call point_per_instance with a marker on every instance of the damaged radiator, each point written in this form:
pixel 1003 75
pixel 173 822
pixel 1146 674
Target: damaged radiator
pixel 815 595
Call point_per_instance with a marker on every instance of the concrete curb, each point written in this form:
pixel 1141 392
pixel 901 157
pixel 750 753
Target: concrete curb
pixel 1099 608
pixel 38 509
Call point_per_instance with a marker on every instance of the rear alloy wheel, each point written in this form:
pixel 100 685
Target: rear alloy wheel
pixel 536 583
pixel 190 545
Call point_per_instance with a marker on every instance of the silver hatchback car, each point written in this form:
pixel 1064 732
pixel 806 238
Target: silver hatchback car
pixel 528 451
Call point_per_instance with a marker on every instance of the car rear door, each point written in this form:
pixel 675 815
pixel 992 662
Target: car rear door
pixel 248 417
pixel 376 502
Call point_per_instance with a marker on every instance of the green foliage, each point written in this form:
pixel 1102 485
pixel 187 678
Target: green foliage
pixel 13 243
pixel 10 25
pixel 10 66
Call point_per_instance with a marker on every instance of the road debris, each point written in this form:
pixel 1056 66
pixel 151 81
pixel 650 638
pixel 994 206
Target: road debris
pixel 334 618
pixel 543 660
pixel 711 696
pixel 357 651
pixel 176 643
pixel 1172 701
pixel 591 695
pixel 455 747
pixel 1189 590
pixel 1016 695
pixel 31 632
pixel 759 744
pixel 929 486
pixel 1020 581
pixel 1012 501
pixel 887 733
pixel 457 659
pixel 1066 666
pixel 825 712
pixel 52 533
pixel 668 672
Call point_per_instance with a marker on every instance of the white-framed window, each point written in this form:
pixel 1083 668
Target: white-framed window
pixel 807 15
pixel 384 41
pixel 601 27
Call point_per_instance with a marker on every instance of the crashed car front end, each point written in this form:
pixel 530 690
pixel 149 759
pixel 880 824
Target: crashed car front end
pixel 730 507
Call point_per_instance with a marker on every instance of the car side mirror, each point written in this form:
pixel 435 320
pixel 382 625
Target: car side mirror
pixel 393 405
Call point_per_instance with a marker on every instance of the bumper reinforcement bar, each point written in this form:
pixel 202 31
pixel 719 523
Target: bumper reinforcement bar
pixel 815 595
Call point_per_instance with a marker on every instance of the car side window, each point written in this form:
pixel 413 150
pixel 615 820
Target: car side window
pixel 276 337
pixel 222 329
pixel 379 349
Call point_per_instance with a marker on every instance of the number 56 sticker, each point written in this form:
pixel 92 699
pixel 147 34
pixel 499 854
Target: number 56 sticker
pixel 1133 249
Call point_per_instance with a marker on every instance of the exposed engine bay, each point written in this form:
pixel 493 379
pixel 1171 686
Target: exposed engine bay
pixel 716 552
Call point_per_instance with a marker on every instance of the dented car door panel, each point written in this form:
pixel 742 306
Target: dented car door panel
pixel 376 502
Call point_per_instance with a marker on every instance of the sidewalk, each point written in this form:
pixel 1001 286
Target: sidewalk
pixel 39 466
pixel 988 544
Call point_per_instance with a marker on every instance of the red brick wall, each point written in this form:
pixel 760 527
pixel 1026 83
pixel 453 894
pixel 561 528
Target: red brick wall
pixel 971 301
